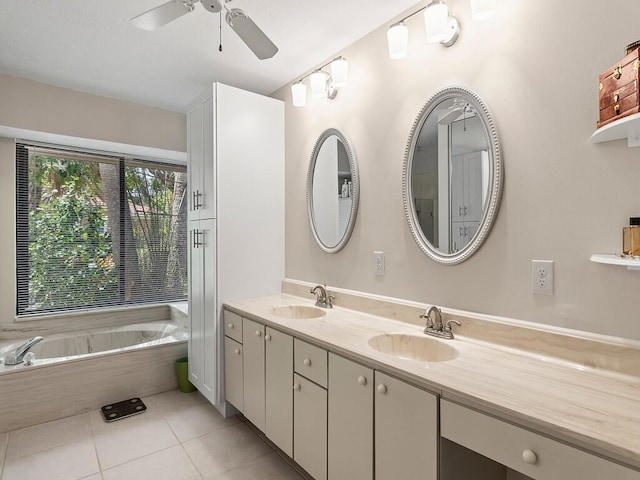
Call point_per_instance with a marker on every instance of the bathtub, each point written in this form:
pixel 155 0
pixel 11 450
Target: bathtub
pixel 80 371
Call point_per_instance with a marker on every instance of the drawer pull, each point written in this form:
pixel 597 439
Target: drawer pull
pixel 617 109
pixel 362 380
pixel 237 351
pixel 530 457
pixel 231 326
pixel 267 337
pixel 617 72
pixel 296 387
pixel 258 333
pixel 616 96
pixel 307 362
pixel 382 388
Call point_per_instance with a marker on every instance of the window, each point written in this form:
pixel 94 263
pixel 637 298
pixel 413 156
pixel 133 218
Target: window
pixel 97 230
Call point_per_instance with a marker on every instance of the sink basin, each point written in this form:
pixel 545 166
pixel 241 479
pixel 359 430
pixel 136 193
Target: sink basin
pixel 413 347
pixel 298 312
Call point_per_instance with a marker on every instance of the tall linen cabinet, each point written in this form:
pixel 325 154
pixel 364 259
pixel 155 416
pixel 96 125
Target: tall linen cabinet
pixel 236 218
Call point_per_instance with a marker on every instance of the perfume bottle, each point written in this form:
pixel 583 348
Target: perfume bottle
pixel 631 238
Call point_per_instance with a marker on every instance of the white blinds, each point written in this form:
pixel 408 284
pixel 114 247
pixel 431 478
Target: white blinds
pixel 96 230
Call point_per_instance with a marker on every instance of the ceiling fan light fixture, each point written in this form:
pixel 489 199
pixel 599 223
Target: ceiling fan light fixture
pixel 339 72
pixel 214 6
pixel 299 94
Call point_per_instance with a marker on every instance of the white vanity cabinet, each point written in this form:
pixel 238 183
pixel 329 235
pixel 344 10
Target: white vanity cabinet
pixel 310 409
pixel 350 420
pixel 233 364
pixel 406 431
pixel 521 450
pixel 254 372
pixel 278 389
pixel 236 194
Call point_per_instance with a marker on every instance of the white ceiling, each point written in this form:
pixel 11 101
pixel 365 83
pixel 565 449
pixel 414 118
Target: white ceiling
pixel 90 45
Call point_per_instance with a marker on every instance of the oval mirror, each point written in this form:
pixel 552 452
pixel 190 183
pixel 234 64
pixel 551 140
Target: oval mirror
pixel 332 190
pixel 452 176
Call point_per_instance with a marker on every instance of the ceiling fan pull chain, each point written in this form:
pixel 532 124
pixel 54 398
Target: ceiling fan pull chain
pixel 220 46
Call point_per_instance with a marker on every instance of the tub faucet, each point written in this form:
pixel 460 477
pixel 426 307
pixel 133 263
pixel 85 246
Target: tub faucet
pixel 322 299
pixel 16 356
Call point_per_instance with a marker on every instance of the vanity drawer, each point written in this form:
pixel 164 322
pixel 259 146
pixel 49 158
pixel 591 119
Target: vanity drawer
pixel 311 362
pixel 233 325
pixel 534 455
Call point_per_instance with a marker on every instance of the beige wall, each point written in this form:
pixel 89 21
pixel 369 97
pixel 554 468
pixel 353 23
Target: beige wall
pixel 536 65
pixel 34 106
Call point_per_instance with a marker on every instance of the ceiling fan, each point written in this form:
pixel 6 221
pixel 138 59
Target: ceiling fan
pixel 244 27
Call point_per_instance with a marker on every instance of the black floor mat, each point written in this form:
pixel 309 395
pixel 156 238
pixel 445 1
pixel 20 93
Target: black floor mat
pixel 124 409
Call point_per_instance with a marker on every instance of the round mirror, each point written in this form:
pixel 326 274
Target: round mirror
pixel 332 190
pixel 452 177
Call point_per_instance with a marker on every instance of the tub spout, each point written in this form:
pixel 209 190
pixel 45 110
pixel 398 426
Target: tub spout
pixel 16 356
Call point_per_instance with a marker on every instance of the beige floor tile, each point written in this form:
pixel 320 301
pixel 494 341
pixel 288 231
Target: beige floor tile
pixel 68 462
pixel 268 467
pixel 173 400
pixel 45 436
pixel 196 421
pixel 95 476
pixel 225 449
pixel 170 464
pixel 132 438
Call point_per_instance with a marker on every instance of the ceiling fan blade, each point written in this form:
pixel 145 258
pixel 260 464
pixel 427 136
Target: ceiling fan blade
pixel 251 34
pixel 161 15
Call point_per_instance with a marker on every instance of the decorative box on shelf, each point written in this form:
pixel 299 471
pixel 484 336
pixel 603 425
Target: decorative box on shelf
pixel 619 89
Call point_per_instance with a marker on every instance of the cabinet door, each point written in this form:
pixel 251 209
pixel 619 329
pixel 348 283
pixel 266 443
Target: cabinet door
pixel 195 157
pixel 202 305
pixel 406 431
pixel 233 373
pixel 278 391
pixel 310 427
pixel 350 420
pixel 253 368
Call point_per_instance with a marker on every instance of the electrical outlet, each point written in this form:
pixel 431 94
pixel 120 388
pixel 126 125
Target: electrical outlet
pixel 542 276
pixel 378 263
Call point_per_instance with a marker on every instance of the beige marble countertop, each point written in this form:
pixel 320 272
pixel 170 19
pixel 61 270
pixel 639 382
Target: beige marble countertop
pixel 589 408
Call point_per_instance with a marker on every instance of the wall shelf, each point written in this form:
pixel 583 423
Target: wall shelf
pixel 627 127
pixel 612 259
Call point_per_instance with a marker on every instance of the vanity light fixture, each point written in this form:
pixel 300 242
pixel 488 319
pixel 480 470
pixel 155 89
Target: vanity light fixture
pixel 322 83
pixel 440 26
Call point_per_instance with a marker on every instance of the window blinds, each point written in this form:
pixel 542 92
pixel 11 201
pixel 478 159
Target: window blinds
pixel 97 230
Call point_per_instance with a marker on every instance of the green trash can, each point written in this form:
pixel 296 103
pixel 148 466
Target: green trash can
pixel 182 369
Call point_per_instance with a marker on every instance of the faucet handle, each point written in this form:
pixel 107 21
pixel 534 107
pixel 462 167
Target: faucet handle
pixel 447 325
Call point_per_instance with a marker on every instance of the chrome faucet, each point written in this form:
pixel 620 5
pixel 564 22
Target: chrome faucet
pixel 435 327
pixel 16 356
pixel 322 299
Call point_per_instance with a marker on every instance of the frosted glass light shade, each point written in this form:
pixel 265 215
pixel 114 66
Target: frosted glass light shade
pixel 339 72
pixel 318 80
pixel 398 38
pixel 483 9
pixel 299 94
pixel 436 19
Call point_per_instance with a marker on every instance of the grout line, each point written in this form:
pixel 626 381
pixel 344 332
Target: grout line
pixel 190 460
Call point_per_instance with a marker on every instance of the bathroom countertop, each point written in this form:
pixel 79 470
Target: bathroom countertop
pixel 590 408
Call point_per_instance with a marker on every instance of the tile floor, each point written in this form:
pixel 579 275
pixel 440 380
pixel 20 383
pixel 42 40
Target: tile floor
pixel 180 437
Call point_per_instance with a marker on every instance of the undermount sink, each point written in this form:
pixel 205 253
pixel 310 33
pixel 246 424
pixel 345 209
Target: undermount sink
pixel 413 347
pixel 298 312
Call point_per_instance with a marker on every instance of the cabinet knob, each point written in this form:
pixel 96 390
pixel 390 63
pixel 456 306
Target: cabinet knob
pixel 258 333
pixel 307 362
pixel 529 456
pixel 382 388
pixel 296 387
pixel 237 351
pixel 231 326
pixel 267 337
pixel 362 380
